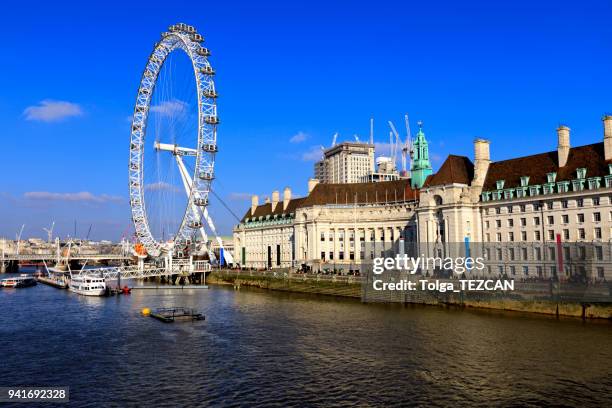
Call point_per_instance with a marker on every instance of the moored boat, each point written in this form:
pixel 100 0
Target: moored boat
pixel 87 285
pixel 22 281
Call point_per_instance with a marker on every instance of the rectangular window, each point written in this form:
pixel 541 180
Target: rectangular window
pixel 597 233
pixel 566 234
pixel 597 217
pixel 580 202
pixel 511 236
pixel 523 208
pixel 549 205
pixel 551 235
pixel 510 209
pixel 564 204
pixel 525 270
pixel 499 237
pixel 510 222
pixel 498 223
pixel 565 218
pixel 599 253
pixel 580 218
pixel 538 253
pixel 536 221
pixel 487 224
pixel 536 235
pixel 596 201
pixel 581 233
pixel 523 235
pixel 523 222
pixel 551 220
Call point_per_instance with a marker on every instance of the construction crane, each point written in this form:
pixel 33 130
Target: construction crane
pixel 396 144
pixel 407 149
pixel 371 131
pixel 88 232
pixel 334 139
pixel 18 236
pixel 49 232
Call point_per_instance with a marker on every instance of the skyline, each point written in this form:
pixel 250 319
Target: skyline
pixel 284 96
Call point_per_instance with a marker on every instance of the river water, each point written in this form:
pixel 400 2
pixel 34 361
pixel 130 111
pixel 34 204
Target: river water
pixel 262 348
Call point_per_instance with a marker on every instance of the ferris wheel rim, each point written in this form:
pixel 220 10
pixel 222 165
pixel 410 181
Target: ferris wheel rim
pixel 185 38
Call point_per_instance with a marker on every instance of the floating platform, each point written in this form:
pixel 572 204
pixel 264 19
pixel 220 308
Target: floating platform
pixel 174 287
pixel 169 315
pixel 56 283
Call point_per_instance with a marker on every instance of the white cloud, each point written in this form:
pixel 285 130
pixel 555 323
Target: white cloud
pixel 52 111
pixel 161 186
pixel 240 196
pixel 313 154
pixel 170 108
pixel 299 137
pixel 83 196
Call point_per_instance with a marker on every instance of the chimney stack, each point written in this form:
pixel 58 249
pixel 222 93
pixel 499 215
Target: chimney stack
pixel 312 184
pixel 563 146
pixel 275 199
pixel 254 204
pixel 286 198
pixel 482 159
pixel 607 120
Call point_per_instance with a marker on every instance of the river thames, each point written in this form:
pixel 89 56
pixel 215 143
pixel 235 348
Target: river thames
pixel 263 348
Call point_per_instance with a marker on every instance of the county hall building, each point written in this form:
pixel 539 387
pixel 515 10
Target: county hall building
pixel 519 214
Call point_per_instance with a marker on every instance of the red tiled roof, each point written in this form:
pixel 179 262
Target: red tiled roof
pixel 455 169
pixel 537 166
pixel 360 193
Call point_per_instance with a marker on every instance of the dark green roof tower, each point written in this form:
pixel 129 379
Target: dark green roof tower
pixel 420 167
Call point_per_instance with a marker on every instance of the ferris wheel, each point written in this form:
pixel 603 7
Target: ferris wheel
pixel 173 144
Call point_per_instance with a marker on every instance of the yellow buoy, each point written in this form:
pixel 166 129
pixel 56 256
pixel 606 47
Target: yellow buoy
pixel 146 311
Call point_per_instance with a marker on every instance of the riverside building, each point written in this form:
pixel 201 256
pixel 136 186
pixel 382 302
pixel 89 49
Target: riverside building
pixel 523 215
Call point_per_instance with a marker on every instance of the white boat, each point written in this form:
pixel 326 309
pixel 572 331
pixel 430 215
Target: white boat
pixel 22 281
pixel 87 285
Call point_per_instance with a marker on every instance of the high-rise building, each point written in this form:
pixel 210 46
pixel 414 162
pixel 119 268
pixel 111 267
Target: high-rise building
pixel 346 162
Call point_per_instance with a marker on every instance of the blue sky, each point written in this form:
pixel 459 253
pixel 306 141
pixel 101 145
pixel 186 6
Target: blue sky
pixel 506 71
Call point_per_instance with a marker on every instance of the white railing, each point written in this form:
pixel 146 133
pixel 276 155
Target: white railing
pixel 183 267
